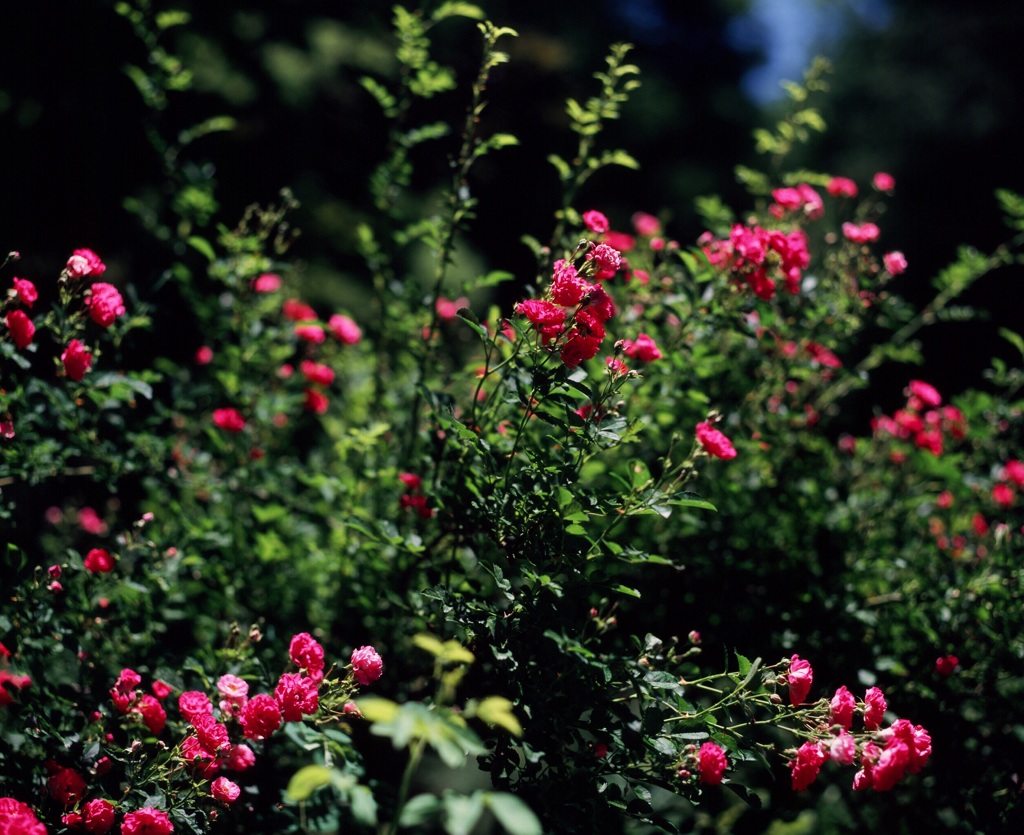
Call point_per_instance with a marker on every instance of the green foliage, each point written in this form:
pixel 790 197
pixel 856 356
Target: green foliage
pixel 511 508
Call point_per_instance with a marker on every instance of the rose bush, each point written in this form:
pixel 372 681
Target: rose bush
pixel 643 442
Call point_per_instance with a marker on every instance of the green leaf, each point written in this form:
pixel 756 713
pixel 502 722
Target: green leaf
pixel 376 709
pixel 203 246
pixel 451 651
pixel 460 813
pixel 307 780
pixel 513 814
pixel 497 710
pixel 621 589
pixel 172 17
pixel 454 8
pixel 419 809
pixel 364 805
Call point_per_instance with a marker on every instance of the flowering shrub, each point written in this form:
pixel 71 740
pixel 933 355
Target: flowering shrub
pixel 513 490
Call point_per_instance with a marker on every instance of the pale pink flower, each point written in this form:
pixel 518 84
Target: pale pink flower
pixel 895 262
pixel 883 182
pixel 595 221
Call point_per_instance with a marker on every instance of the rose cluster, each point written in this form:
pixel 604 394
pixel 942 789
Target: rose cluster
pixel 217 736
pixel 923 420
pixel 885 755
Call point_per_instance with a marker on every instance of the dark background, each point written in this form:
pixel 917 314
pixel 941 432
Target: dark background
pixel 924 90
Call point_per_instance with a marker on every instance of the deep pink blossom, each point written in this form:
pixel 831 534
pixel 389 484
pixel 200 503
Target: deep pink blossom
pixel 240 757
pixel 1014 471
pixel 90 522
pixel 224 790
pixel 203 355
pixel 895 262
pixel 567 287
pixel 646 224
pixel 152 712
pixel 228 419
pixel 714 442
pixel 146 821
pixel 161 689
pixel 315 401
pixel 924 392
pixel 843 748
pixel 367 665
pixel 26 291
pixel 842 708
pixel 21 327
pixel 212 735
pixel 202 762
pixel 267 283
pixel 344 329
pixel 711 763
pixel 874 708
pixel 85 262
pixel 643 348
pixel 546 317
pixel 841 187
pixel 883 182
pixel 123 693
pixel 99 561
pixel 105 304
pixel 606 259
pixel 799 678
pixel 1002 494
pixel 297 696
pixel 595 221
pixel 17 818
pixel 194 703
pixel 310 333
pixel 260 717
pixel 305 651
pixel 579 347
pixel 76 359
pixel 806 765
pixel 65 785
pixel 98 816
pixel 297 311
pixel 860 233
pixel 946 665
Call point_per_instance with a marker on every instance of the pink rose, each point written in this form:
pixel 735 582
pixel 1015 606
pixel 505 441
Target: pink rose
pixel 203 762
pixel 579 347
pixel 99 561
pixel 18 817
pixel 224 790
pixel 842 749
pixel 644 348
pixel 267 283
pixel 805 768
pixel 646 224
pixel 841 187
pixel 297 311
pixel 567 287
pixel 26 291
pixel 84 262
pixel 714 442
pixel 842 708
pixel 240 757
pixel 212 735
pixel 307 653
pixel 367 665
pixel 77 360
pixel 1014 471
pixel 1002 494
pixel 98 816
pixel 874 708
pixel 595 221
pixel 66 786
pixel 105 304
pixel 925 394
pixel 711 763
pixel 152 712
pixel 204 355
pixel 310 333
pixel 317 372
pixel 946 665
pixel 316 402
pixel 194 703
pixel 883 182
pixel 799 678
pixel 895 262
pixel 21 327
pixel 260 717
pixel 146 821
pixel 547 318
pixel 230 420
pixel 297 696
pixel 344 329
